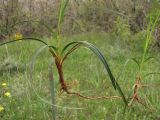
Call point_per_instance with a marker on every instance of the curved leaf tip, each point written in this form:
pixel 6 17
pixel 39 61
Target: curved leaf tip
pixel 97 52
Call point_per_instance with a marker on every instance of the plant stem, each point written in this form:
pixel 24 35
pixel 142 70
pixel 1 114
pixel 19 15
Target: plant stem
pixel 60 73
pixel 51 79
pixel 7 50
pixel 150 30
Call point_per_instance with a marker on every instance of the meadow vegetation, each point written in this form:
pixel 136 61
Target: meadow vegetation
pixel 130 45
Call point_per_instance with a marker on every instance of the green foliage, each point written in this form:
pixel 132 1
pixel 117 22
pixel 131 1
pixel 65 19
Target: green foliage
pixel 121 30
pixel 62 11
pixel 151 27
pixel 26 105
pixel 82 16
pixel 59 57
pixel 60 54
pixel 11 65
pixel 11 12
pixel 152 15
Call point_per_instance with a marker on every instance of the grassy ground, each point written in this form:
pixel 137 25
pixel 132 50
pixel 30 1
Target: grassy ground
pixel 85 74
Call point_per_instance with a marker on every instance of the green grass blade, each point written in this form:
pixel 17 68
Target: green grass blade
pixel 136 61
pixel 53 47
pixel 153 73
pixel 148 59
pixel 150 30
pixel 103 60
pixel 35 55
pixel 25 39
pixel 101 57
pixel 70 51
pixel 97 52
pixel 122 70
pixel 67 46
pixel 32 63
pixel 52 89
pixel 62 11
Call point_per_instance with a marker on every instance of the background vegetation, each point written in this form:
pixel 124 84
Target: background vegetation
pixel 117 27
pixel 123 17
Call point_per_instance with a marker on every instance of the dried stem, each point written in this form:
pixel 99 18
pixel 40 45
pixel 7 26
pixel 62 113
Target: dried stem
pixel 93 97
pixel 135 96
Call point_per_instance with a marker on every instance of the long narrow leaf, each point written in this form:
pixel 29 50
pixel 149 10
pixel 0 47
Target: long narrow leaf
pixel 62 11
pixel 70 51
pixel 97 52
pixel 153 73
pixel 32 63
pixel 136 61
pixel 103 60
pixel 25 39
pixel 149 58
pixel 67 46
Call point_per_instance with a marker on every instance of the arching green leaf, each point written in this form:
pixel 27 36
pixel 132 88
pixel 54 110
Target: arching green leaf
pixel 25 39
pixel 97 52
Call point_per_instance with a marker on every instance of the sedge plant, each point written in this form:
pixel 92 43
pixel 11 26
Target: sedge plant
pixel 60 55
pixel 141 62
